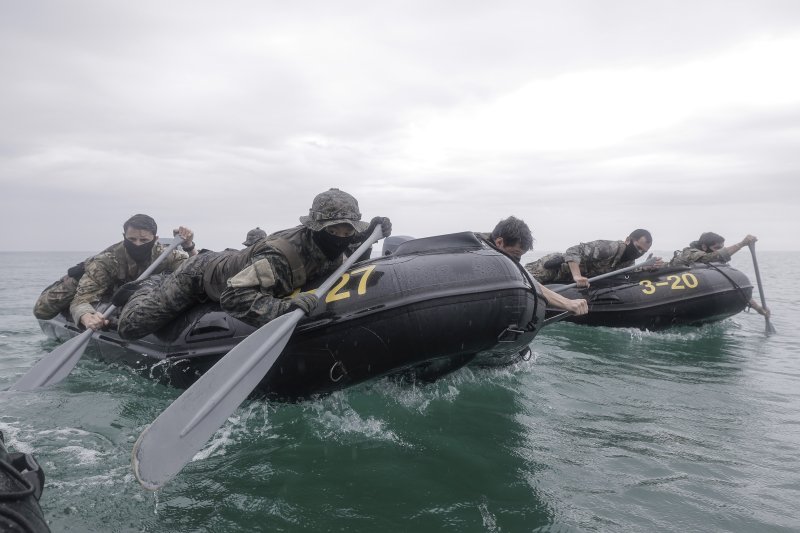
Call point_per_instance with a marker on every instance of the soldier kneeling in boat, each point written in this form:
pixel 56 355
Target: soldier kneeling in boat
pixel 94 279
pixel 513 237
pixel 255 284
pixel 710 248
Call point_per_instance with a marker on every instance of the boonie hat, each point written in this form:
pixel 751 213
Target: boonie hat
pixel 334 207
pixel 253 235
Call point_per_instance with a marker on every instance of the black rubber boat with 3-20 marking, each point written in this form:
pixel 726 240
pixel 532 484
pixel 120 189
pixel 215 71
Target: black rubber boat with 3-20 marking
pixel 656 300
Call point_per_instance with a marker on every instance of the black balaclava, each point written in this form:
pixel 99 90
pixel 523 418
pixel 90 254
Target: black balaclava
pixel 331 245
pixel 631 253
pixel 140 253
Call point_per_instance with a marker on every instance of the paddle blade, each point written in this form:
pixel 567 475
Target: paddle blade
pixel 166 445
pixel 56 365
pixel 770 328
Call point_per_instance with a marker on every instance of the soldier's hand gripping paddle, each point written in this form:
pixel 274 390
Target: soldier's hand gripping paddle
pixel 57 365
pixel 650 260
pixel 769 327
pixel 183 428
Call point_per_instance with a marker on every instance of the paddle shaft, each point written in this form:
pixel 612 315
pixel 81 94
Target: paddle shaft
pixel 769 327
pixel 186 425
pixel 55 366
pixel 650 260
pixel 561 316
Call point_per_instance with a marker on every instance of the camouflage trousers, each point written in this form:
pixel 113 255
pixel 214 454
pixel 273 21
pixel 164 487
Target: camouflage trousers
pixel 55 298
pixel 156 304
pixel 542 274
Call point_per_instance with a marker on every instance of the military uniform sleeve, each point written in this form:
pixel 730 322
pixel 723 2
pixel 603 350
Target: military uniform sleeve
pixel 96 281
pixel 694 255
pixel 173 261
pixel 255 295
pixel 574 253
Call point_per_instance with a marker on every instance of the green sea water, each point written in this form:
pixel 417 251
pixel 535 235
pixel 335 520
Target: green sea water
pixel 618 430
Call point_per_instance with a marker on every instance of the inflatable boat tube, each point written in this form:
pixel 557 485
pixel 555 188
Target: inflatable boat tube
pixel 664 298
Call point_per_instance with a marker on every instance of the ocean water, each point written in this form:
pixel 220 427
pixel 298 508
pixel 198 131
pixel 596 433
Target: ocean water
pixel 693 429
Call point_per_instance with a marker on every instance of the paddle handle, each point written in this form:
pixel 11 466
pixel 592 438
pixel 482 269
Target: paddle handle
pixel 160 259
pixel 375 236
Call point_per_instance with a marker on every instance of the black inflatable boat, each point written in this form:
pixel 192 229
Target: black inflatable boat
pixel 431 306
pixel 664 298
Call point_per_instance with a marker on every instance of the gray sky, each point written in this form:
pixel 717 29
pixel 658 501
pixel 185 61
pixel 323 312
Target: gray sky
pixel 585 118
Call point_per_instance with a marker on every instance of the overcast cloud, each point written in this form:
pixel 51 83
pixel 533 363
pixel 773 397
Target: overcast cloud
pixel 585 118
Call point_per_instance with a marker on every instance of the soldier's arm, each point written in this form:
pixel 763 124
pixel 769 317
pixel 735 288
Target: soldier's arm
pixel 188 239
pixel 699 256
pixel 574 257
pixel 578 306
pixel 96 281
pixel 574 253
pixel 253 295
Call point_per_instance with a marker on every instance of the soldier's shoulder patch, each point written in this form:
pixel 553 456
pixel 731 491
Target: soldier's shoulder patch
pixel 258 274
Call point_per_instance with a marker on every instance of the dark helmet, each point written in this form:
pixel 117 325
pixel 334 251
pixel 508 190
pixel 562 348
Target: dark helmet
pixel 253 235
pixel 334 207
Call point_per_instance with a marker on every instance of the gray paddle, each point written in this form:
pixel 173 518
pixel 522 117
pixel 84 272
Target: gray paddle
pixel 183 428
pixel 55 366
pixel 565 314
pixel 769 327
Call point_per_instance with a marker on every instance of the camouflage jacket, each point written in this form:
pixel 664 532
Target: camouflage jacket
pixel 598 257
pixel 112 268
pixel 260 291
pixel 690 255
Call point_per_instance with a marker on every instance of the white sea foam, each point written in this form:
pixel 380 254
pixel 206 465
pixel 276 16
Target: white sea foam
pixel 84 456
pixel 220 440
pixel 10 433
pixel 337 420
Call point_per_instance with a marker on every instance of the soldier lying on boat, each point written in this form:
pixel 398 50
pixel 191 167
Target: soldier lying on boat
pixel 254 284
pixel 513 237
pixel 710 248
pixel 589 259
pixel 87 283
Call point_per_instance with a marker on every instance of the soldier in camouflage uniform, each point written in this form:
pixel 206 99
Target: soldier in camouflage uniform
pixel 121 263
pixel 255 284
pixel 589 259
pixel 710 248
pixel 513 237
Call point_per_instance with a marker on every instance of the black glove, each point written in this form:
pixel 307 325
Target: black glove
pixel 124 293
pixel 77 271
pixel 304 301
pixel 385 224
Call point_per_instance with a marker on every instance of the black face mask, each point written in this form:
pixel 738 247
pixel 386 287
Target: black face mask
pixel 331 245
pixel 140 253
pixel 630 253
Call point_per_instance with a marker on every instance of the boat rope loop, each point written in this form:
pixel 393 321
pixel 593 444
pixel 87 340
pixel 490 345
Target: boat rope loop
pixel 341 373
pixel 337 370
pixel 526 354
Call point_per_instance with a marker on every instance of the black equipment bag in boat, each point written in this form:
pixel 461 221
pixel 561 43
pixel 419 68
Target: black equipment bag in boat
pixel 21 483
